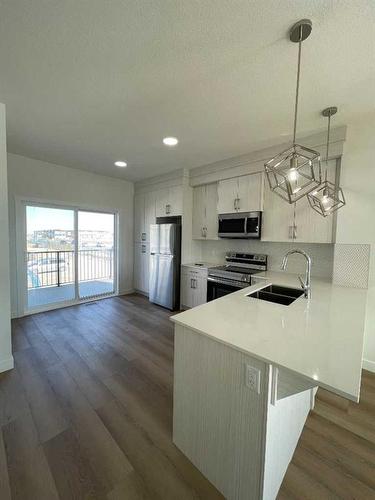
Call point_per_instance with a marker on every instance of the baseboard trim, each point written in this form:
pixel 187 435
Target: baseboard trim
pixel 368 365
pixel 126 292
pixel 145 294
pixel 6 364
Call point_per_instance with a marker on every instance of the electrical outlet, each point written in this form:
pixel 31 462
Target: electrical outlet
pixel 252 378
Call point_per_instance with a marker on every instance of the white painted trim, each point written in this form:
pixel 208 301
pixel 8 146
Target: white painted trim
pixel 368 365
pixel 127 292
pixel 145 294
pixel 6 364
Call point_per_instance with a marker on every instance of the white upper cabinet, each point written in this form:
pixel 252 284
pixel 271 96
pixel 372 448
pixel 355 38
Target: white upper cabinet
pixel 168 201
pixel 227 196
pixel 139 216
pixel 205 219
pixel 150 217
pixel 241 194
pixel 175 195
pixel 250 193
pixel 279 223
pixel 199 211
pixel 144 215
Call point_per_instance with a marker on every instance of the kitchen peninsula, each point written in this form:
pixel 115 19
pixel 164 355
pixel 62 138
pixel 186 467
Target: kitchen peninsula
pixel 246 374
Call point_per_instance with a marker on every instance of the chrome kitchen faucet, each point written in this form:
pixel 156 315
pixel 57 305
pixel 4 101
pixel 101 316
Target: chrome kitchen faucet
pixel 306 285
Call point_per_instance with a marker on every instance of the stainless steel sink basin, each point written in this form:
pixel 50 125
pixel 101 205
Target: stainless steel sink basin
pixel 278 294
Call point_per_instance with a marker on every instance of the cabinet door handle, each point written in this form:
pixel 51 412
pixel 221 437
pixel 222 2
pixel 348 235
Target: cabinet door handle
pixel 238 204
pixel 143 237
pixel 191 283
pixel 168 208
pixel 143 250
pixel 235 203
pixel 202 232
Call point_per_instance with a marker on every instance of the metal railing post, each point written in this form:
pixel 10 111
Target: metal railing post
pixel 58 268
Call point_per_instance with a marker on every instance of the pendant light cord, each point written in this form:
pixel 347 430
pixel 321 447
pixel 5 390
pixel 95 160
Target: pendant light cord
pixel 328 137
pixel 297 85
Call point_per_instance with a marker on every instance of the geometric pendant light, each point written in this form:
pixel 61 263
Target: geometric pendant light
pixel 328 197
pixel 295 172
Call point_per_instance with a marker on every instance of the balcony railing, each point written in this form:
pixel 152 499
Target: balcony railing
pixel 56 267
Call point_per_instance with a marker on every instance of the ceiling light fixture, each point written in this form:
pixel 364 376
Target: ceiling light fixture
pixel 328 197
pixel 121 164
pixel 170 141
pixel 296 171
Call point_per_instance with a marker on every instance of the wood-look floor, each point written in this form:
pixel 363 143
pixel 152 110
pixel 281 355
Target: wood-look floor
pixel 87 414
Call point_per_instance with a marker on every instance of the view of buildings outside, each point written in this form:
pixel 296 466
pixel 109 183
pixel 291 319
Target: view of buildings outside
pixel 51 244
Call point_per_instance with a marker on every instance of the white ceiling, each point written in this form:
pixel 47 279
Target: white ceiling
pixel 92 81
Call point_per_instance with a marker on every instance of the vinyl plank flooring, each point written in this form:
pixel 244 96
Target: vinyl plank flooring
pixel 13 401
pixel 340 484
pixel 4 476
pixel 145 408
pixel 151 464
pixel 99 447
pixel 299 484
pixel 29 474
pixel 45 408
pixel 19 339
pixel 132 488
pixel 73 474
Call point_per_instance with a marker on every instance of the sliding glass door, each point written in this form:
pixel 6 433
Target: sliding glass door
pixel 50 256
pixel 96 263
pixel 71 255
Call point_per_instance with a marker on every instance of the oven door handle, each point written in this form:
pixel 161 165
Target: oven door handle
pixel 221 281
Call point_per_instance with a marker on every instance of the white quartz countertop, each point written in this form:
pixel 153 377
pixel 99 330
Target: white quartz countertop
pixel 320 338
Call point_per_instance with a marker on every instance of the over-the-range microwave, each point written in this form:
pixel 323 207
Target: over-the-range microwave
pixel 240 225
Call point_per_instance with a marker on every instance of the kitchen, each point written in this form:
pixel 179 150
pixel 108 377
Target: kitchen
pixel 188 283
pixel 274 263
pixel 228 262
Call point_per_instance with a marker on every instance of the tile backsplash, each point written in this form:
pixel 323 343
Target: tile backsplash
pixel 321 254
pixel 351 265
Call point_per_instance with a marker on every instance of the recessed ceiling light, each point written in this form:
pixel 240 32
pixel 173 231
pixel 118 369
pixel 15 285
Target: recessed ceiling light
pixel 120 163
pixel 170 141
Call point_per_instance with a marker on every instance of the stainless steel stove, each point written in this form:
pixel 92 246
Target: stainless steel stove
pixel 236 273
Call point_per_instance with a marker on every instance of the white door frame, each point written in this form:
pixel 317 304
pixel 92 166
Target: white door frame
pixel 21 251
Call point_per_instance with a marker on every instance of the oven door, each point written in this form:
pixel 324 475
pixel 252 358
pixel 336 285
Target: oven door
pixel 232 226
pixel 218 287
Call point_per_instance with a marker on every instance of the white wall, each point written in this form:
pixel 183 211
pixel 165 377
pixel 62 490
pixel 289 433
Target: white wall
pixel 6 359
pixel 34 179
pixel 356 221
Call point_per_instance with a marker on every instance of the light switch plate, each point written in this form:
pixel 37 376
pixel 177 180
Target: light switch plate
pixel 252 378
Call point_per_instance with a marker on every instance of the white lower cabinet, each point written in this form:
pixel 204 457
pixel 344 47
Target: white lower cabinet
pixel 193 287
pixel 141 267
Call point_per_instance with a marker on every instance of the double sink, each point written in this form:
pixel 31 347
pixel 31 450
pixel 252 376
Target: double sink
pixel 277 294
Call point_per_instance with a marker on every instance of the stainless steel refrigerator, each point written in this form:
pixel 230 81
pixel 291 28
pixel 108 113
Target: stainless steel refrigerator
pixel 165 256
